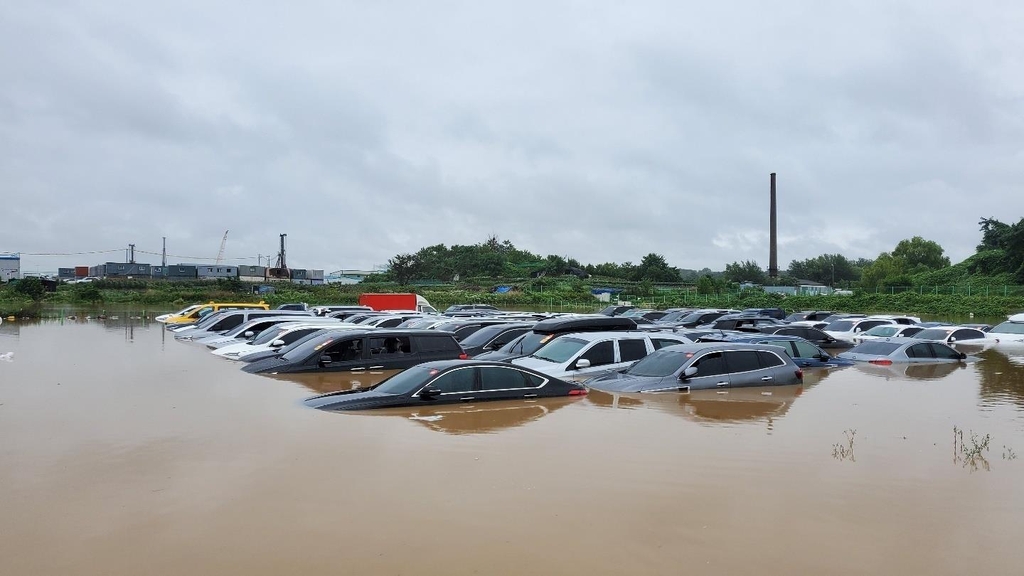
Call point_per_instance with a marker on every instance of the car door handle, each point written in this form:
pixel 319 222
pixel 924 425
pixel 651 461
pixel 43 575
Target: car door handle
pixel 529 395
pixel 721 384
pixel 467 398
pixel 376 367
pixel 766 378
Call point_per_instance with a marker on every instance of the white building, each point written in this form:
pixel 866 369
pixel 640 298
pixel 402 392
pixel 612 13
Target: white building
pixel 10 266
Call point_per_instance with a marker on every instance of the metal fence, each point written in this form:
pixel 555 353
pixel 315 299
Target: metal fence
pixel 955 289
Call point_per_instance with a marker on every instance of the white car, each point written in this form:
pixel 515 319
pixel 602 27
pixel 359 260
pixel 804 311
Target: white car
pixel 1010 331
pixel 849 328
pixel 581 355
pixel 278 336
pixel 952 335
pixel 247 331
pixel 898 318
pixel 887 331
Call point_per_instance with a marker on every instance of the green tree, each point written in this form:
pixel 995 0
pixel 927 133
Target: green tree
pixel 920 255
pixel 404 268
pixel 654 268
pixel 830 269
pixel 747 271
pixel 706 285
pixel 882 272
pixel 31 287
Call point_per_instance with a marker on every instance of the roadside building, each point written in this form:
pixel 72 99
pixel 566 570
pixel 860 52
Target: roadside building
pixel 255 274
pixel 213 272
pixel 10 266
pixel 66 274
pixel 121 270
pixel 181 272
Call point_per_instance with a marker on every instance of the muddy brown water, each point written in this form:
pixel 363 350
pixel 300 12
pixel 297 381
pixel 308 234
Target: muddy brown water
pixel 125 452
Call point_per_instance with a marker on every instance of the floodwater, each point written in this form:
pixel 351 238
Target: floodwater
pixel 125 452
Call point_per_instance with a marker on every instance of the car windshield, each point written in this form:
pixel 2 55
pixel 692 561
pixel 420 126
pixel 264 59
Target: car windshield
pixel 673 316
pixel 883 331
pixel 559 350
pixel 659 363
pixel 875 348
pixel 840 326
pixel 307 347
pixel 208 320
pixel 406 381
pixel 482 336
pixel 268 336
pixel 1008 328
pixel 932 334
pixel 796 316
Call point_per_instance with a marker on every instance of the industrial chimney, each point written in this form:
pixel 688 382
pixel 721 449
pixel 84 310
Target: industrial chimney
pixel 773 238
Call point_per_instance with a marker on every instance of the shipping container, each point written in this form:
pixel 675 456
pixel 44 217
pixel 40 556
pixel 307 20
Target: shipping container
pixel 81 271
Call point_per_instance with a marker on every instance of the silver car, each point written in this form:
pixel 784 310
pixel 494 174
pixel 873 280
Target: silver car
pixel 902 350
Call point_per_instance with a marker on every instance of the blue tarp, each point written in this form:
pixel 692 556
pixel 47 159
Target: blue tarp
pixel 503 289
pixel 597 291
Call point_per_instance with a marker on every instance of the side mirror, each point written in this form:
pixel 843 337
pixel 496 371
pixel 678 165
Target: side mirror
pixel 277 343
pixel 856 329
pixel 690 372
pixel 582 363
pixel 951 339
pixel 326 359
pixel 249 334
pixel 963 356
pixel 428 393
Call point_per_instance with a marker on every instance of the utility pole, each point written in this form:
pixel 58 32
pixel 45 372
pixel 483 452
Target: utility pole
pixel 773 237
pixel 163 259
pixel 131 252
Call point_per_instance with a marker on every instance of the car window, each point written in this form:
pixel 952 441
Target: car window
pixel 910 331
pixel 1008 328
pixel 869 324
pixel 560 349
pixel 507 337
pixel 483 336
pixel 875 348
pixel 840 326
pixel 920 351
pixel 660 343
pixel 501 378
pixel 967 335
pixel 600 354
pixel 768 359
pixel 382 346
pixel 710 364
pixel 459 380
pixel 742 361
pixel 294 335
pixel 439 343
pixel 805 349
pixel 344 350
pixel 659 364
pixel 945 352
pixel 632 349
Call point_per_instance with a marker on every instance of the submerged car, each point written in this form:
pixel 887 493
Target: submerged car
pixel 1010 331
pixel 899 350
pixel 702 367
pixel 583 355
pixel 359 351
pixel 803 353
pixel 848 328
pixel 546 330
pixel 887 331
pixel 952 335
pixel 811 334
pixel 450 382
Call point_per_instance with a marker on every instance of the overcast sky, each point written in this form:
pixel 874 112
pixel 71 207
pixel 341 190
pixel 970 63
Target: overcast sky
pixel 596 130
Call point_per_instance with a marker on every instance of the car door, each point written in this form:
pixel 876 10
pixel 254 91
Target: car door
pixel 454 386
pixel 712 372
pixel 601 356
pixel 808 355
pixel 965 335
pixel 507 383
pixel 920 353
pixel 745 369
pixel 343 355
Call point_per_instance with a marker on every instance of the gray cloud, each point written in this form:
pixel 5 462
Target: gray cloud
pixel 601 131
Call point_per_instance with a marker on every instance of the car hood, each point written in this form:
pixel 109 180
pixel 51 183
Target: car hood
pixel 619 382
pixel 239 349
pixel 352 400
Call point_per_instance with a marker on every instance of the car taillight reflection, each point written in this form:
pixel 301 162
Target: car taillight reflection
pixel 880 361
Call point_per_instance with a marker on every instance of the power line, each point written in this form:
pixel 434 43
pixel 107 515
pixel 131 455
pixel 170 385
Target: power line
pixel 195 257
pixel 68 253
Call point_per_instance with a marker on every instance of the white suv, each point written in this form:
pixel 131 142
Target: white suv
pixel 579 356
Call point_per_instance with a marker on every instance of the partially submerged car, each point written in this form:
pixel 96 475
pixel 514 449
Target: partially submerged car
pixel 900 350
pixel 704 367
pixel 887 331
pixel 582 355
pixel 803 353
pixel 450 382
pixel 813 335
pixel 1011 331
pixel 952 335
pixel 848 328
pixel 546 330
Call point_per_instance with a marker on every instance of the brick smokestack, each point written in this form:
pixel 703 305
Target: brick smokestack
pixel 773 238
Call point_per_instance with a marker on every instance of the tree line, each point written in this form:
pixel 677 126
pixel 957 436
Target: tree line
pixel 1001 252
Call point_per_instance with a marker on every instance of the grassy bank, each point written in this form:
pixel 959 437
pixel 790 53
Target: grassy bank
pixel 554 296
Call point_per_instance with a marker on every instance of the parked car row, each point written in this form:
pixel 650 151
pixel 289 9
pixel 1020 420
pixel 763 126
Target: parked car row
pixel 477 353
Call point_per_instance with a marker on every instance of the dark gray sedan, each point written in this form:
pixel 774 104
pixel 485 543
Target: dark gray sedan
pixel 702 367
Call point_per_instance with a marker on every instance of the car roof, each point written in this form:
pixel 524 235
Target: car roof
pixel 574 323
pixel 702 346
pixel 614 334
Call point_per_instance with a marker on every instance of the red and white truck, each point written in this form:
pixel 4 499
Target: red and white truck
pixel 397 301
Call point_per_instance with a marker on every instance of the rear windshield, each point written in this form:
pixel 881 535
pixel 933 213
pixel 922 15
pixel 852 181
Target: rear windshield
pixel 840 326
pixel 560 350
pixel 692 317
pixel 932 334
pixel 659 363
pixel 1008 328
pixel 875 348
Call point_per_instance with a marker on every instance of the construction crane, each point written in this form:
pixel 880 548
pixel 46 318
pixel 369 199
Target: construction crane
pixel 223 243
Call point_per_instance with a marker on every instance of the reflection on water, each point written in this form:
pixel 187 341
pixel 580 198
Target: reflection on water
pixel 327 382
pixel 922 371
pixel 711 406
pixel 484 418
pixel 1002 375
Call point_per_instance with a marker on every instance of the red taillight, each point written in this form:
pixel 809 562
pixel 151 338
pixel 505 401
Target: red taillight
pixel 463 356
pixel 880 361
pixel 799 374
pixel 578 392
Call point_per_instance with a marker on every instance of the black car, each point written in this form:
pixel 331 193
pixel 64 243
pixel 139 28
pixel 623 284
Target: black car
pixel 469 308
pixel 493 337
pixel 547 329
pixel 814 335
pixel 741 322
pixel 811 315
pixel 463 327
pixel 359 351
pixel 700 318
pixel 616 310
pixel 450 382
